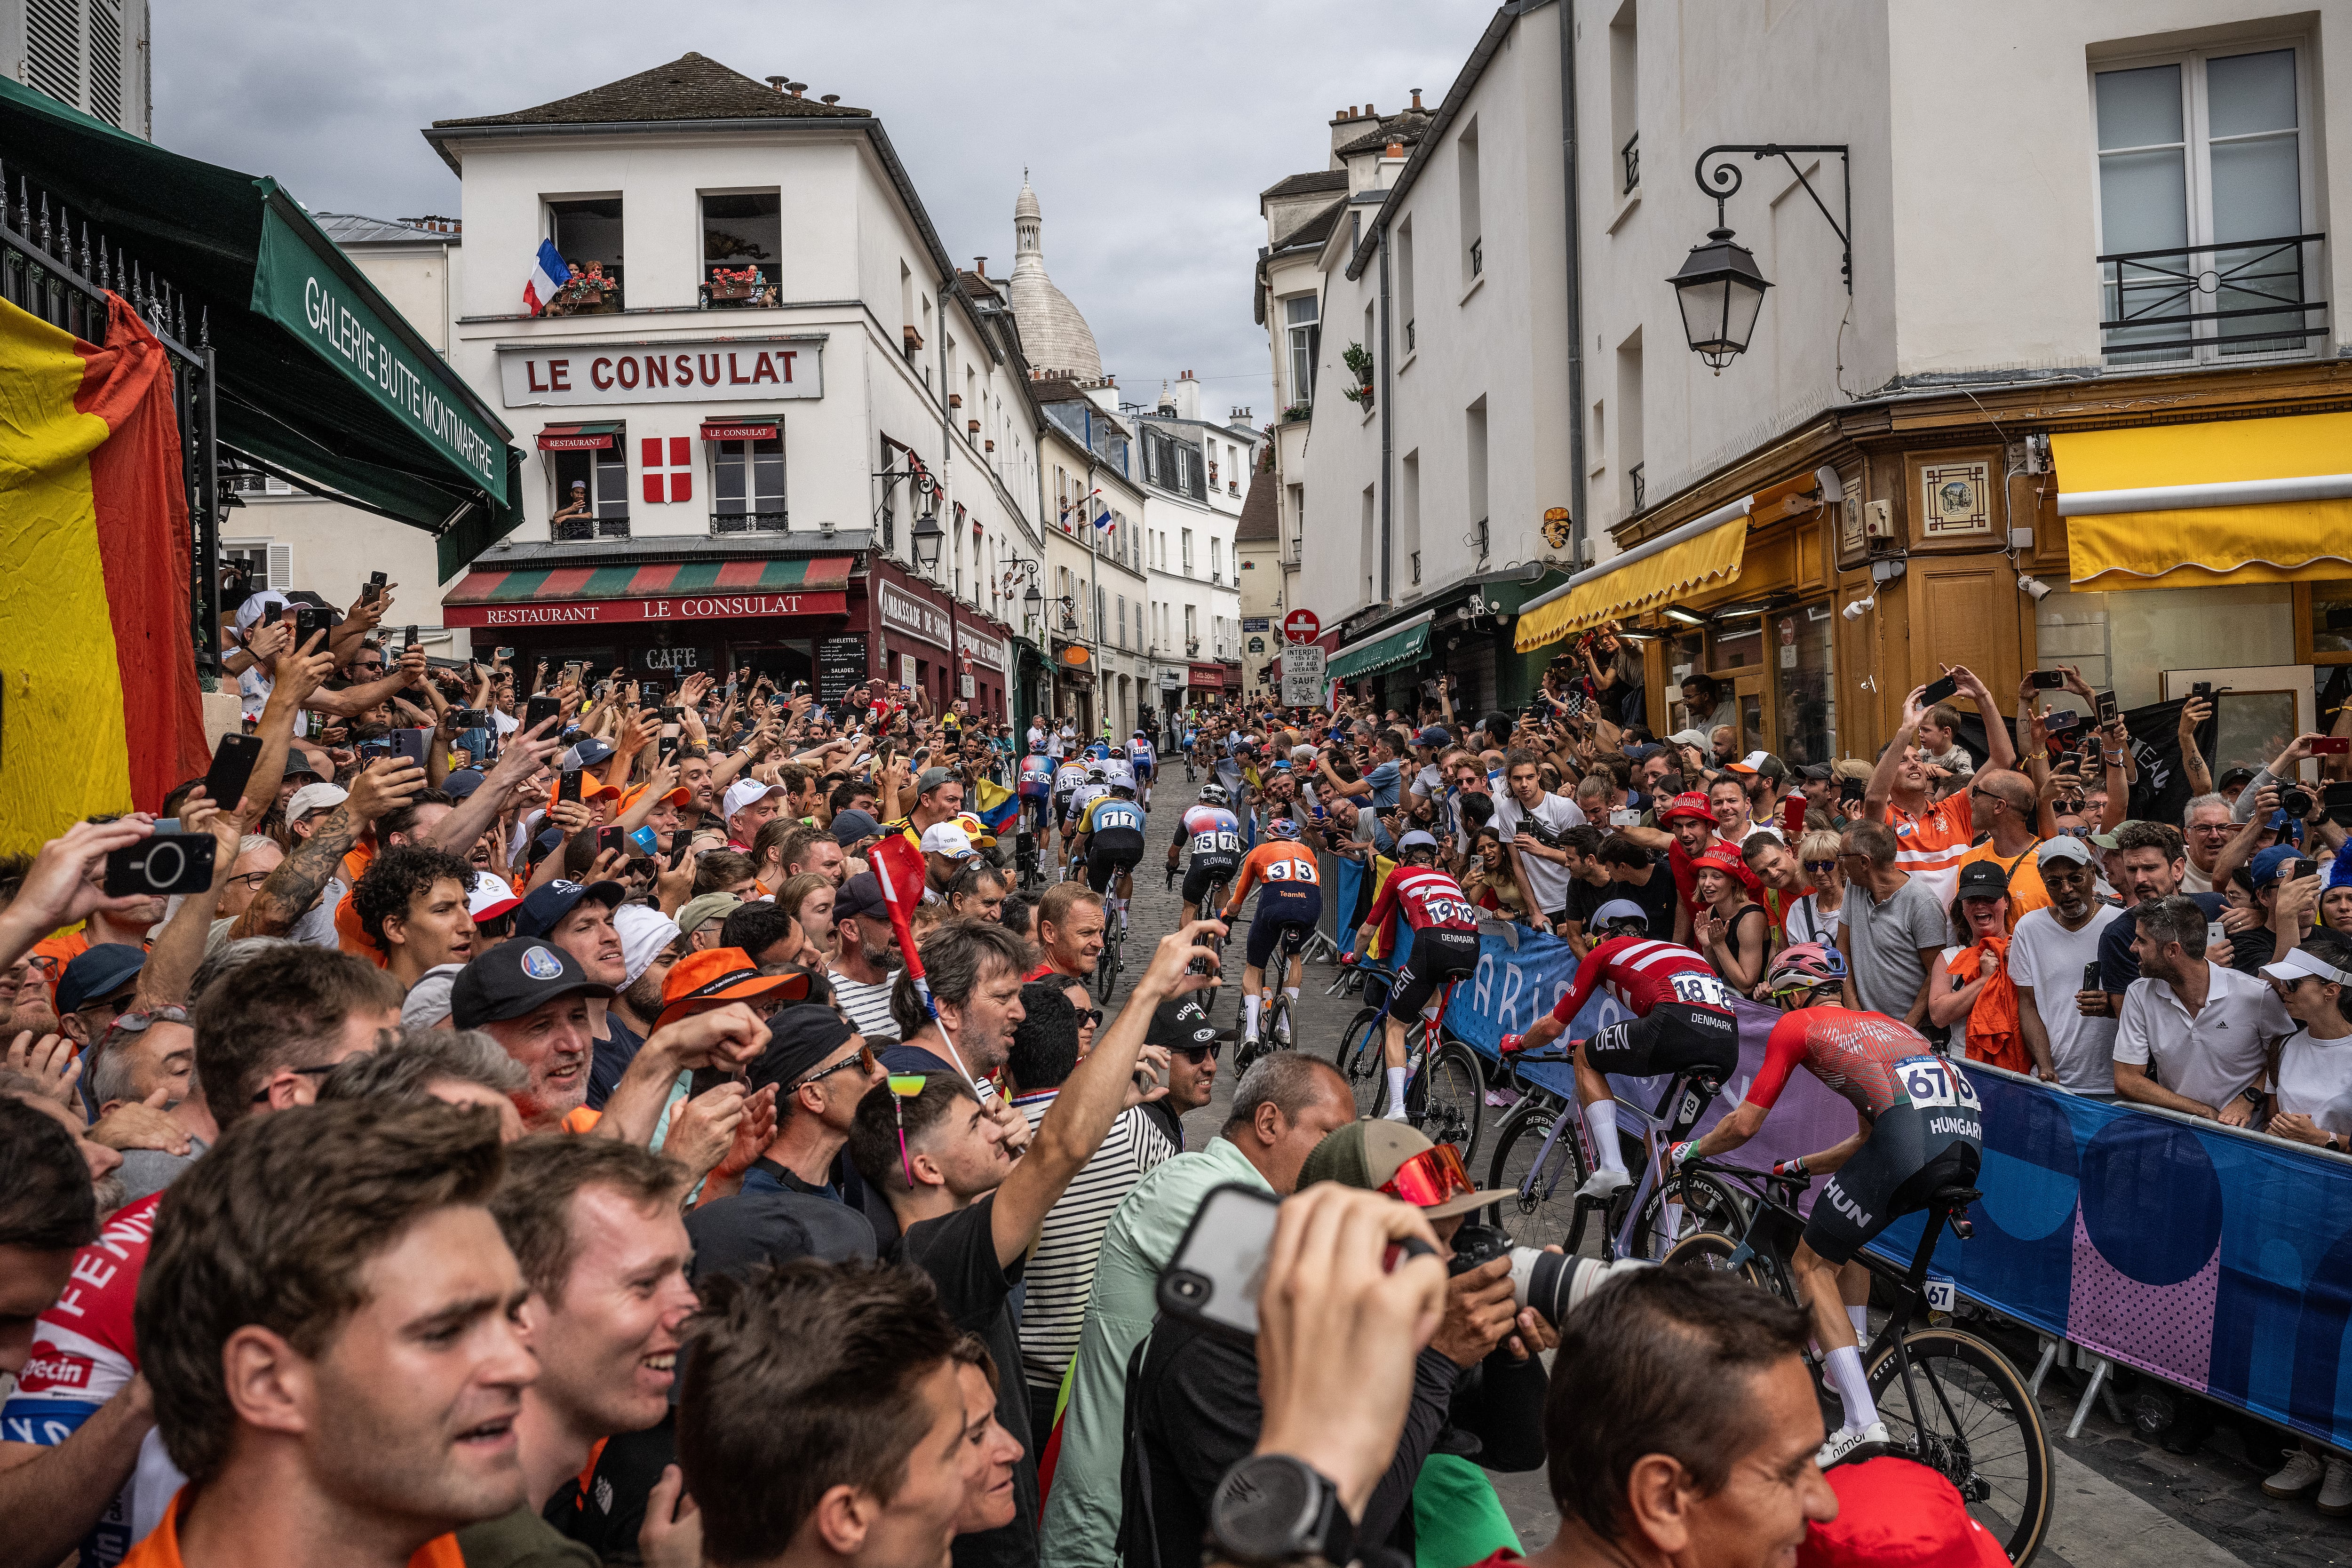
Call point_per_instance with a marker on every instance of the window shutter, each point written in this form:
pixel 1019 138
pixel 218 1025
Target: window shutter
pixel 281 566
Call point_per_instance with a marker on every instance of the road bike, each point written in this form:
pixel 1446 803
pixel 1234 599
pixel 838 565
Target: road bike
pixel 1275 1025
pixel 1445 1086
pixel 1542 1159
pixel 1114 949
pixel 1949 1399
pixel 1030 875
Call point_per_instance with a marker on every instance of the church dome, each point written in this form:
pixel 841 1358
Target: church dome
pixel 1054 335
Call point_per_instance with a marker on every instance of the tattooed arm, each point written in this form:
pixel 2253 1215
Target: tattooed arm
pixel 289 891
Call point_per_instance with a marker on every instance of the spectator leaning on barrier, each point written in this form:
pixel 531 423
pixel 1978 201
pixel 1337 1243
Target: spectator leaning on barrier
pixel 2145 866
pixel 2311 1078
pixel 2065 1022
pixel 2193 1035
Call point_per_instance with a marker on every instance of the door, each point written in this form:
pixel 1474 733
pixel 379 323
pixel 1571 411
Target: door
pixel 1747 695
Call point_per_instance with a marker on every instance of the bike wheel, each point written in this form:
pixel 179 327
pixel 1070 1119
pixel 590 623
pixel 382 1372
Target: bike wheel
pixel 1712 1249
pixel 1968 1415
pixel 1453 1097
pixel 1277 1036
pixel 1359 1061
pixel 1107 971
pixel 1700 1202
pixel 1542 1210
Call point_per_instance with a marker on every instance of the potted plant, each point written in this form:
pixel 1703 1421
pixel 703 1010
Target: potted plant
pixel 1297 411
pixel 588 290
pixel 734 284
pixel 1358 360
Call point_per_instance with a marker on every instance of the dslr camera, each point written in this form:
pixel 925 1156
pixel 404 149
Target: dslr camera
pixel 1553 1284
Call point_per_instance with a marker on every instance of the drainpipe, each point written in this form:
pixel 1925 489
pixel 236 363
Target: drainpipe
pixel 947 523
pixel 1576 464
pixel 1388 436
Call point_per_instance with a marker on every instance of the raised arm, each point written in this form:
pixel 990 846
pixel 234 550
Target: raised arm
pixel 1999 750
pixel 180 945
pixel 471 818
pixel 1881 787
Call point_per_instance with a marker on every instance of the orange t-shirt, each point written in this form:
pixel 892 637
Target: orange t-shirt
pixel 352 937
pixel 162 1547
pixel 65 950
pixel 582 1120
pixel 1929 846
pixel 2025 888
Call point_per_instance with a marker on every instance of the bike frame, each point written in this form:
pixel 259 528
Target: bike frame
pixel 1689 1091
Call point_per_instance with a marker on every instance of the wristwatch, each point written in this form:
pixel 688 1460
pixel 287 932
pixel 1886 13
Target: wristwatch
pixel 1272 1511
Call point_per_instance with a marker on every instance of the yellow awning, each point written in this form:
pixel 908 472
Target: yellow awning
pixel 1706 560
pixel 2231 501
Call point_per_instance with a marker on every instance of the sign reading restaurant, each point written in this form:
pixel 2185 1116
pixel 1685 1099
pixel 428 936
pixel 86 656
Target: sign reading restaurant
pixel 603 612
pixel 661 370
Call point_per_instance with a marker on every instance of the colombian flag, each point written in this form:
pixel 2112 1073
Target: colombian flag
pixel 998 807
pixel 100 711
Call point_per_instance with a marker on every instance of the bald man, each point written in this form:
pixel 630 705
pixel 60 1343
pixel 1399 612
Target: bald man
pixel 2003 802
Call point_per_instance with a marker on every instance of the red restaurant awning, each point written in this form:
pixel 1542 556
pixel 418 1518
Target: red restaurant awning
pixel 740 430
pixel 655 591
pixel 577 438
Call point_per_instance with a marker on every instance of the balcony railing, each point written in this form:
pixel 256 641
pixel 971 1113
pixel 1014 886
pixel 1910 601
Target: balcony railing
pixel 1641 487
pixel 750 523
pixel 573 530
pixel 2245 297
pixel 1632 155
pixel 1478 256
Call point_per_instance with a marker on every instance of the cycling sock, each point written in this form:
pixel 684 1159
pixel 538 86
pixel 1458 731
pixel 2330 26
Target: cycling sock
pixel 1844 1369
pixel 1601 1120
pixel 1396 1088
pixel 1249 1015
pixel 1860 1318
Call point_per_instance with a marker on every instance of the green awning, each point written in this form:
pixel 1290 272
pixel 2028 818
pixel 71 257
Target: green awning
pixel 1406 642
pixel 315 373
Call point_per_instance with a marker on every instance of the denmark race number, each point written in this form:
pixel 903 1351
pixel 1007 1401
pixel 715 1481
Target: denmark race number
pixel 1696 990
pixel 1930 1083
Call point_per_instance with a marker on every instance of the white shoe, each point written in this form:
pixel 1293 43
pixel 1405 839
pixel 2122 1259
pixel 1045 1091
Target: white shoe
pixel 2297 1477
pixel 2336 1492
pixel 1604 1184
pixel 1396 1113
pixel 1846 1440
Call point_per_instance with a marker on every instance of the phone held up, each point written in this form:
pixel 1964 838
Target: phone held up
pixel 232 766
pixel 2047 679
pixel 1939 691
pixel 161 865
pixel 1220 1266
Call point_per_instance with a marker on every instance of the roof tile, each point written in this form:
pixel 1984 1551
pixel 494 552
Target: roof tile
pixel 691 87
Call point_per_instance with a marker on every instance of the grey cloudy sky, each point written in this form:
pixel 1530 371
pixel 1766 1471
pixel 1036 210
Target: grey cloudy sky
pixel 1148 129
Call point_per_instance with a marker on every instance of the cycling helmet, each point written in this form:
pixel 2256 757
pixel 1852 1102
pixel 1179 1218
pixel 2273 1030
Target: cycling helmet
pixel 1282 827
pixel 1414 840
pixel 1620 916
pixel 1214 794
pixel 1095 771
pixel 1803 969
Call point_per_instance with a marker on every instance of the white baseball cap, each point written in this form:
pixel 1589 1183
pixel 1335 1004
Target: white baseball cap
pixel 743 792
pixel 946 839
pixel 2299 964
pixel 490 897
pixel 315 797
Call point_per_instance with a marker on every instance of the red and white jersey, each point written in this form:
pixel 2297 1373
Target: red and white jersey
pixel 84 1351
pixel 1641 973
pixel 1428 899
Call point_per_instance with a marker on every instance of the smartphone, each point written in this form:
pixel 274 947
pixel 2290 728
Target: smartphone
pixel 1850 789
pixel 408 638
pixel 502 653
pixel 1624 817
pixel 232 766
pixel 612 841
pixel 2106 701
pixel 166 864
pixel 567 786
pixel 2047 679
pixel 1215 1276
pixel 1939 691
pixel 538 711
pixel 412 745
pixel 309 620
pixel 2091 976
pixel 2331 745
pixel 272 615
pixel 2201 689
pixel 374 591
pixel 2062 720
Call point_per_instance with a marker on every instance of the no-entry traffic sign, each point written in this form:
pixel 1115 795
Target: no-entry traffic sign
pixel 1300 625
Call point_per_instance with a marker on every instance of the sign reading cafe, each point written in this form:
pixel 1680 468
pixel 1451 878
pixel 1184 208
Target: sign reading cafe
pixel 666 370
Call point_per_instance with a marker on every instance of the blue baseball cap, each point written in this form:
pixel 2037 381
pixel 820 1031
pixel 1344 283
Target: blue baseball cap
pixel 547 905
pixel 2271 864
pixel 97 973
pixel 462 783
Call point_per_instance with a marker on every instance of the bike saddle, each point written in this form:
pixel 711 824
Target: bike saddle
pixel 1954 1198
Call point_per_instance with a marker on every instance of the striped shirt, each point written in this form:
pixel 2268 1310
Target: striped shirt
pixel 1931 844
pixel 1061 1273
pixel 868 1007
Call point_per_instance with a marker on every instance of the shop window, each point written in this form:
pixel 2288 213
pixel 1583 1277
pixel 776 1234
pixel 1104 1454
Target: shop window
pixel 1806 688
pixel 591 493
pixel 587 235
pixel 742 237
pixel 2126 641
pixel 747 485
pixel 2330 623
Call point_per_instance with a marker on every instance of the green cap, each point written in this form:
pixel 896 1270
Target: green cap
pixel 696 913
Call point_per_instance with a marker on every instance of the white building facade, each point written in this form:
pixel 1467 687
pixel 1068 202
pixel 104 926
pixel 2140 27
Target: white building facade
pixel 1195 473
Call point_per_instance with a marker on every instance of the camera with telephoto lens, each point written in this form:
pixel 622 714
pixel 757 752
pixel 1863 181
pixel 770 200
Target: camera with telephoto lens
pixel 1553 1284
pixel 2297 804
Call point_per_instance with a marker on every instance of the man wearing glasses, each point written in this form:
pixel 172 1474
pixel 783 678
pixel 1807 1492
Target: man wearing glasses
pixel 2005 804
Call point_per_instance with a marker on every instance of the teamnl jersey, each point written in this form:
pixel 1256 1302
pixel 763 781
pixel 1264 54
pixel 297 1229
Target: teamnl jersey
pixel 1640 973
pixel 1430 900
pixel 1873 1060
pixel 1109 813
pixel 1037 774
pixel 83 1353
pixel 1277 863
pixel 1211 830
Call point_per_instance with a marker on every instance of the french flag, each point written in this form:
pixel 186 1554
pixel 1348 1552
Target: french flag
pixel 1102 523
pixel 549 273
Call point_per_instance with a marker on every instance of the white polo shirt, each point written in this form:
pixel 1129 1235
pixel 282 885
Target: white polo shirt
pixel 2214 1055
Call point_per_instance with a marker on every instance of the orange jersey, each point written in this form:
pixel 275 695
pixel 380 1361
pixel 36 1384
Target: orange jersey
pixel 1929 846
pixel 1273 861
pixel 162 1547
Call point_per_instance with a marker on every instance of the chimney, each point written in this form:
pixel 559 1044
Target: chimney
pixel 795 87
pixel 1416 99
pixel 979 265
pixel 1371 113
pixel 830 97
pixel 777 82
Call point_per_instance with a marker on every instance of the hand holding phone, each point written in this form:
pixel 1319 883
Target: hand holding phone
pixel 2046 679
pixel 2331 746
pixel 1936 691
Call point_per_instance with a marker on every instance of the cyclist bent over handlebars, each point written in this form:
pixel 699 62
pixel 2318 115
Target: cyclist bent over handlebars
pixel 1444 945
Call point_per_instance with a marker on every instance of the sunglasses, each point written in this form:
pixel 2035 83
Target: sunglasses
pixel 1430 1177
pixel 865 1059
pixel 1821 865
pixel 1197 1054
pixel 1087 1016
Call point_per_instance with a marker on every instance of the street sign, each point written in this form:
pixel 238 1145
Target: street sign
pixel 1258 644
pixel 1301 626
pixel 1302 674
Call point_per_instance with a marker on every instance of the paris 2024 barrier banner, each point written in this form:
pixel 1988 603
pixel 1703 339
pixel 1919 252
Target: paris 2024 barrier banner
pixel 2217 1260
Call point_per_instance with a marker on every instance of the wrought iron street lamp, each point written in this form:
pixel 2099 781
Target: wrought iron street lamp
pixel 925 538
pixel 1720 289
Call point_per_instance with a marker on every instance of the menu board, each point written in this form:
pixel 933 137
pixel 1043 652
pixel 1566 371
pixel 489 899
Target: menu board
pixel 840 665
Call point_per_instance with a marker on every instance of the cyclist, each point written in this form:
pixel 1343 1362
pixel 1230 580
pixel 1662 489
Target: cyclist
pixel 1444 945
pixel 1921 1130
pixel 1289 905
pixel 1145 762
pixel 1110 839
pixel 1036 786
pixel 1214 834
pixel 1080 774
pixel 1681 1019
